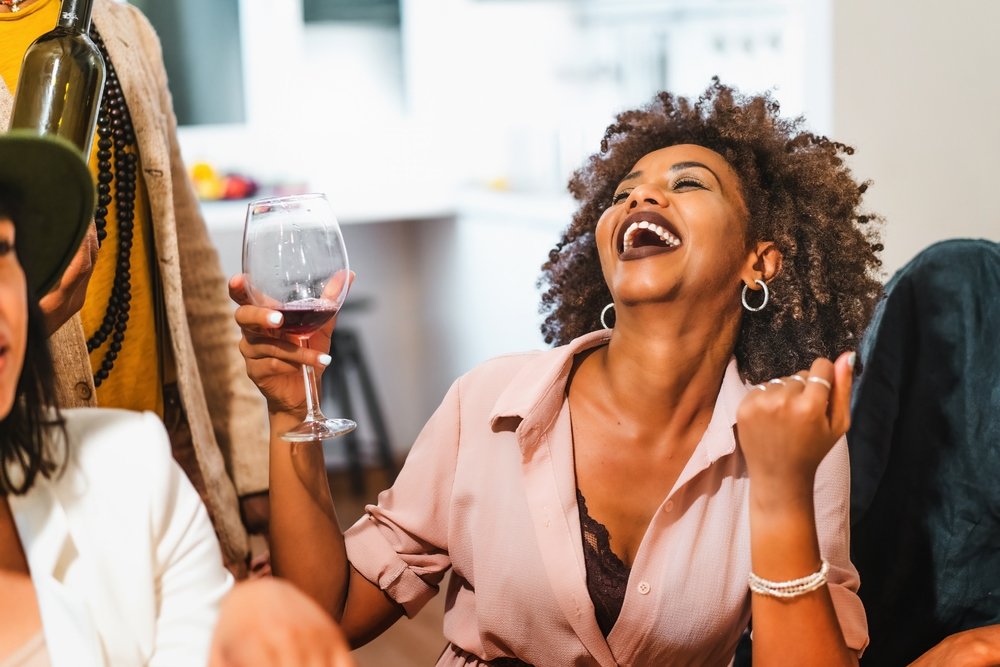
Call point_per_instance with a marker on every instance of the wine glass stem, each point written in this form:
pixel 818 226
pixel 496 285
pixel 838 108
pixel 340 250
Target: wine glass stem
pixel 313 412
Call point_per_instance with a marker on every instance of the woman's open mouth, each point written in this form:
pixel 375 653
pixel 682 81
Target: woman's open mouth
pixel 646 233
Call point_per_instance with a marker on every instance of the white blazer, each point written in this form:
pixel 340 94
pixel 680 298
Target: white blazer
pixel 124 560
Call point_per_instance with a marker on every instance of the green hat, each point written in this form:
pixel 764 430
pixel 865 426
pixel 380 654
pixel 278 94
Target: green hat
pixel 55 204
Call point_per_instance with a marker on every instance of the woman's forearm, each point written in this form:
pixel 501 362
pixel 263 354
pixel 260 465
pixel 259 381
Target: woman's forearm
pixel 307 546
pixel 802 630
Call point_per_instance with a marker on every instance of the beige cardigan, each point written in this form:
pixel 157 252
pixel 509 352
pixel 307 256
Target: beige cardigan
pixel 225 412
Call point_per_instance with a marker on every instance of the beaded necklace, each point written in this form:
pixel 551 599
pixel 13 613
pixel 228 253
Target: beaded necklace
pixel 115 147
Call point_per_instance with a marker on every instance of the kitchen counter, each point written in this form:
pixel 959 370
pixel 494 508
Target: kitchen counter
pixel 226 216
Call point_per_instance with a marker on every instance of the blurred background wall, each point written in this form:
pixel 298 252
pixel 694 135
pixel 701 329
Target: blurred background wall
pixel 445 132
pixel 202 52
pixel 915 88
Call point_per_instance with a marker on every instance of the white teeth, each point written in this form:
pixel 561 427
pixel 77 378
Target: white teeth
pixel 664 235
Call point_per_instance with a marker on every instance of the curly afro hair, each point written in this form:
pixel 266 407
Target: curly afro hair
pixel 799 194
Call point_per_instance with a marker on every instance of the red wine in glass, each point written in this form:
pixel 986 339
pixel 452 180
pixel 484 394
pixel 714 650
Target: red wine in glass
pixel 305 316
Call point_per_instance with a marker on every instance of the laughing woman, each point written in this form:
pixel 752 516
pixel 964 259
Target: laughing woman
pixel 635 495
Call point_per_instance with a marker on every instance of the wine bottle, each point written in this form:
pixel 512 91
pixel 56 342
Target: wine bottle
pixel 62 79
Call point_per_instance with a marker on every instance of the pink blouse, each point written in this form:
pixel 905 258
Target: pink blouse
pixel 489 490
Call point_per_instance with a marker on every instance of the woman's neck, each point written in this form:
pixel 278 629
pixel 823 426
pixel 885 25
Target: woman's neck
pixel 664 369
pixel 12 557
pixel 19 614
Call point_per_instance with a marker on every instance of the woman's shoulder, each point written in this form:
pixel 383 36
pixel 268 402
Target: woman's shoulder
pixel 113 422
pixel 530 364
pixel 119 469
pixel 507 363
pixel 493 376
pixel 106 440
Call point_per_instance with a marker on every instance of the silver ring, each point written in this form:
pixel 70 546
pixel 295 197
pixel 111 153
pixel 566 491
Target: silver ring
pixel 797 378
pixel 819 380
pixel 760 386
pixel 776 381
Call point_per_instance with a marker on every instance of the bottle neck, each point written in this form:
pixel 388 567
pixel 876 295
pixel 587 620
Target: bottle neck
pixel 75 15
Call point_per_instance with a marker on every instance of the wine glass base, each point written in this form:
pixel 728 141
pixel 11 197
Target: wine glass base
pixel 320 429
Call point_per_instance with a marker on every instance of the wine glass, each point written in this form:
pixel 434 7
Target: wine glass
pixel 295 262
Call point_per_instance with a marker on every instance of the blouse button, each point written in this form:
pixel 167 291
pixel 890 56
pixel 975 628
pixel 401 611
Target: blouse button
pixel 669 506
pixel 643 587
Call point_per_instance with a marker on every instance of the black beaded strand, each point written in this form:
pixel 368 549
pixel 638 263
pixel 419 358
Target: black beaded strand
pixel 115 147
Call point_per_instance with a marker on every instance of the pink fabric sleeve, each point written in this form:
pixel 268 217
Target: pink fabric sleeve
pixel 833 497
pixel 401 544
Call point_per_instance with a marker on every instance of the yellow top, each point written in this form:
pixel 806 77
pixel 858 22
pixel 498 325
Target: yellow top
pixel 135 382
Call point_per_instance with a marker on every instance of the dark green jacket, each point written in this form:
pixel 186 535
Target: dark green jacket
pixel 925 453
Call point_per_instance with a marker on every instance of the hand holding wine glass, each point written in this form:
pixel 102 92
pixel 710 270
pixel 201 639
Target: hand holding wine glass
pixel 274 359
pixel 295 263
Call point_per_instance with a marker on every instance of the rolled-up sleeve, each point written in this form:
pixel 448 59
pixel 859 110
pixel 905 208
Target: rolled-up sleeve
pixel 832 498
pixel 401 544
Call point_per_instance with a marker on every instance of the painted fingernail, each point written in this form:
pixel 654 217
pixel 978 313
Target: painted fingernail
pixel 851 359
pixel 325 359
pixel 274 318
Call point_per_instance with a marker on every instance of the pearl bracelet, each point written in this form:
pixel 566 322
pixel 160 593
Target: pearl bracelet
pixel 792 588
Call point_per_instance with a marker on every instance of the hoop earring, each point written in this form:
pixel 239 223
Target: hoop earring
pixel 604 312
pixel 767 296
